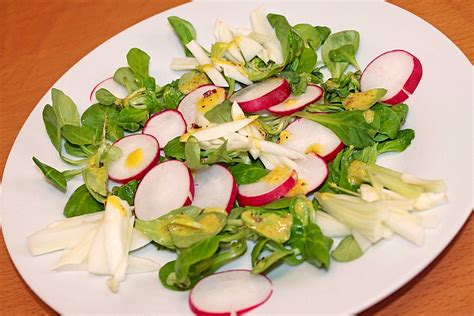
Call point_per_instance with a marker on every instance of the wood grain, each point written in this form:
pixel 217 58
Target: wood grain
pixel 41 39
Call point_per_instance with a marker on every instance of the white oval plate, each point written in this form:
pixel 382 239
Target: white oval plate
pixel 439 112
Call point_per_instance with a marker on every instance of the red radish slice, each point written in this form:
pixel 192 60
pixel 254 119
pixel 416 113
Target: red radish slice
pixel 232 292
pixel 312 172
pixel 295 103
pixel 165 126
pixel 333 154
pixel 199 101
pixel 271 187
pixel 262 95
pixel 109 84
pixel 166 187
pixel 214 187
pixel 306 136
pixel 398 71
pixel 140 153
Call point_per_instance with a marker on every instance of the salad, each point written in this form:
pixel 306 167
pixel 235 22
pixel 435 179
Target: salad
pixel 267 143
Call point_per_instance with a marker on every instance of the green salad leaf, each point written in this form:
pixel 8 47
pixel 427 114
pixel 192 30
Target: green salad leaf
pixel 307 60
pixel 334 42
pixel 169 96
pixel 95 179
pixel 399 144
pixel 98 115
pixel 347 250
pixel 76 151
pixel 316 246
pixel 124 76
pixel 192 152
pixel 298 81
pixel 216 155
pixel 336 90
pixel 81 202
pixel 53 175
pixel 323 32
pixel 257 70
pixel 79 135
pixel 221 113
pixel 53 128
pixel 345 53
pixel 279 204
pixel 132 115
pixel 310 35
pixel 185 31
pixel 138 61
pixel 127 191
pixel 210 259
pixel 188 257
pixel 248 173
pixel 105 97
pixel 64 108
pixel 175 149
pixel 261 264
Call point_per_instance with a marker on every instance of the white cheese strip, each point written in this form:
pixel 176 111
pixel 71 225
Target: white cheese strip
pixel 268 165
pixel 234 72
pixel 222 130
pixel 204 60
pixel 135 265
pixel 57 238
pixel 139 240
pixel 224 34
pixel 249 47
pixel 261 25
pixel 119 274
pixel 97 259
pixel 77 254
pixel 198 52
pixel 81 219
pixel 185 63
pixel 276 149
pixel 249 130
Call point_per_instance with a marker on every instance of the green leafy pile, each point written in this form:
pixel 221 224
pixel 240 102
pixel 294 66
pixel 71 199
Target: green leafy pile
pixel 284 231
pixel 201 252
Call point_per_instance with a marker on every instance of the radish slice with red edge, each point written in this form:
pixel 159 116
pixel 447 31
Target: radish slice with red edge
pixel 398 71
pixel 214 187
pixel 306 136
pixel 140 153
pixel 262 95
pixel 312 171
pixel 166 187
pixel 200 101
pixel 165 126
pixel 271 187
pixel 109 84
pixel 232 292
pixel 296 103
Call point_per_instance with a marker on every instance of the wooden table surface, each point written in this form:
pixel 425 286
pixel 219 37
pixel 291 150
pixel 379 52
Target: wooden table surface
pixel 41 39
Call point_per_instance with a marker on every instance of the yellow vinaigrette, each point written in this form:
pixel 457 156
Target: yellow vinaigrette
pixel 299 188
pixel 210 99
pixel 277 175
pixel 114 201
pixel 134 159
pixel 290 102
pixel 284 137
pixel 314 148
